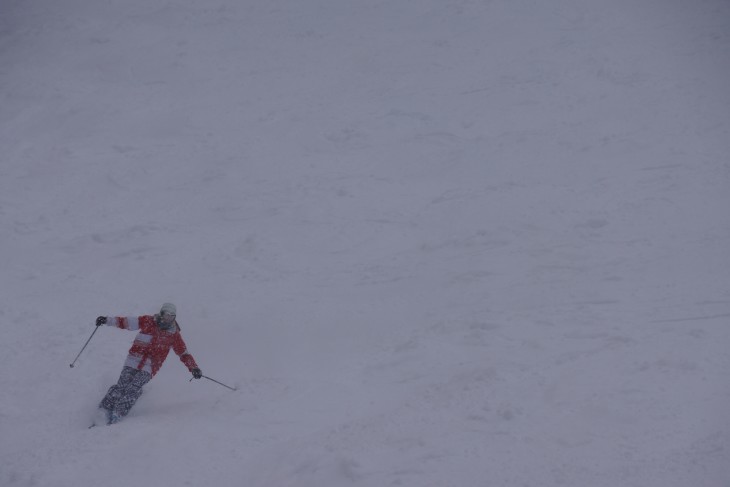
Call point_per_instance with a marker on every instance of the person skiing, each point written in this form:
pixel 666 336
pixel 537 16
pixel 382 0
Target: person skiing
pixel 157 335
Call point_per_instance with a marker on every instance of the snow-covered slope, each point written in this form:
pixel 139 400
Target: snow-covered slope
pixel 433 243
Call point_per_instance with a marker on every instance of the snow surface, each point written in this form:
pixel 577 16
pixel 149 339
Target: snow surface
pixel 433 243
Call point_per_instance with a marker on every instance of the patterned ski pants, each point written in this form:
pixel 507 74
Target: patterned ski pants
pixel 121 396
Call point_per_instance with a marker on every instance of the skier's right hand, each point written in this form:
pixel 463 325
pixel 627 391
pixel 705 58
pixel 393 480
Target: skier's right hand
pixel 100 320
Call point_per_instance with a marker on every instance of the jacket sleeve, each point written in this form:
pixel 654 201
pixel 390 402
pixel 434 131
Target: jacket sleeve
pixel 126 322
pixel 182 351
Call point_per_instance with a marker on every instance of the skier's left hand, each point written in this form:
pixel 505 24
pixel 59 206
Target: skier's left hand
pixel 197 374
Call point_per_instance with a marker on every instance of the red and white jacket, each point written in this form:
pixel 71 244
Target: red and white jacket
pixel 152 343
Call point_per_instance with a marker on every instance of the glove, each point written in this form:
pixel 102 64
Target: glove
pixel 197 374
pixel 100 320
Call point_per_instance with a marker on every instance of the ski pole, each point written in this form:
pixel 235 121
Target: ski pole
pixel 220 383
pixel 84 347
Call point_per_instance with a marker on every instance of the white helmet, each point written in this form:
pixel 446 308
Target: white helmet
pixel 168 309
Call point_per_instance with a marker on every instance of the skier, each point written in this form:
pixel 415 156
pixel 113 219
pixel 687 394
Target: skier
pixel 157 334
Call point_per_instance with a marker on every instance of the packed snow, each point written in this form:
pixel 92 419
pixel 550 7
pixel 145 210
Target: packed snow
pixel 433 243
